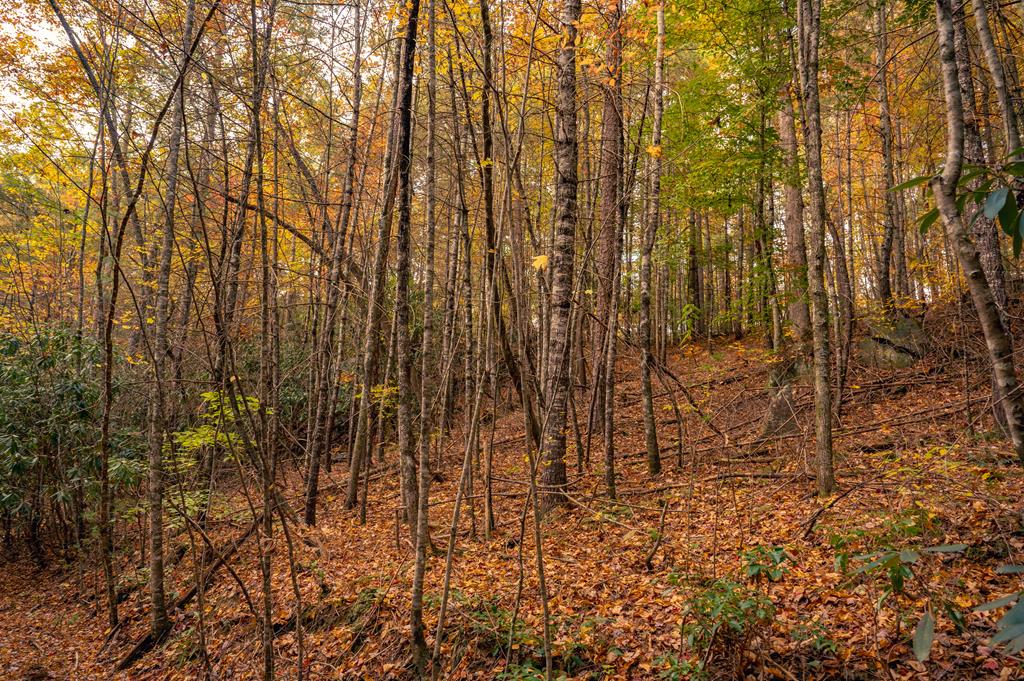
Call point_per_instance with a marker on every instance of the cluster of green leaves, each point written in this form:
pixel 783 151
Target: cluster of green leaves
pixel 521 672
pixel 220 427
pixel 675 668
pixel 817 635
pixel 49 395
pixel 897 566
pixel 496 627
pixel 765 563
pixel 726 614
pixel 992 190
pixel 1010 627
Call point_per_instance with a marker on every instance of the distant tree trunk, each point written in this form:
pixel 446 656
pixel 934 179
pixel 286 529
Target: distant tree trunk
pixel 650 235
pixel 809 24
pixel 844 304
pixel 610 189
pixel 323 420
pixel 610 241
pixel 492 256
pixel 997 338
pixel 266 445
pixel 885 126
pixel 552 454
pixel 157 407
pixel 694 290
pixel 371 337
pixel 998 74
pixel 427 387
pixel 741 251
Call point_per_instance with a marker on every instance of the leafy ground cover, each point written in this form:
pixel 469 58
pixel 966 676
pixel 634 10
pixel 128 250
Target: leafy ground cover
pixel 746 574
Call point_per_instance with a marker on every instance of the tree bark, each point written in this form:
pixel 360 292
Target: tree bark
pixel 885 127
pixel 809 25
pixel 403 272
pixel 796 247
pixel 997 338
pixel 552 455
pixel 650 235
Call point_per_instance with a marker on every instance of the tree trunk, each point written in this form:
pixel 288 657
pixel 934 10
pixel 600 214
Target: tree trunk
pixel 809 24
pixel 157 407
pixel 610 188
pixel 403 271
pixel 650 235
pixel 422 534
pixel 796 248
pixel 552 455
pixel 997 338
pixel 885 127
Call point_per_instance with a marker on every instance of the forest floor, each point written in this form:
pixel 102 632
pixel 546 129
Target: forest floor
pixel 912 473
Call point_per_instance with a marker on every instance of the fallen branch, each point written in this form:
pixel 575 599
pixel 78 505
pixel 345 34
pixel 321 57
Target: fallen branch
pixel 657 540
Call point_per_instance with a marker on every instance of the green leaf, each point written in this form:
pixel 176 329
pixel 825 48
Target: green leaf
pixel 1015 646
pixel 994 202
pixel 1014 617
pixel 956 616
pixel 961 201
pixel 924 635
pixel 969 175
pixel 947 548
pixel 1010 570
pixel 1008 216
pixel 1007 634
pixel 996 604
pixel 883 558
pixel 913 182
pixel 928 219
pixel 908 556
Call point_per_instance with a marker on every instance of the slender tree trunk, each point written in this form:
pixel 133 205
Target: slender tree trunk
pixel 650 235
pixel 403 272
pixel 610 187
pixel 809 24
pixel 796 248
pixel 323 420
pixel 375 311
pixel 552 455
pixel 157 411
pixel 885 127
pixel 998 75
pixel 422 536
